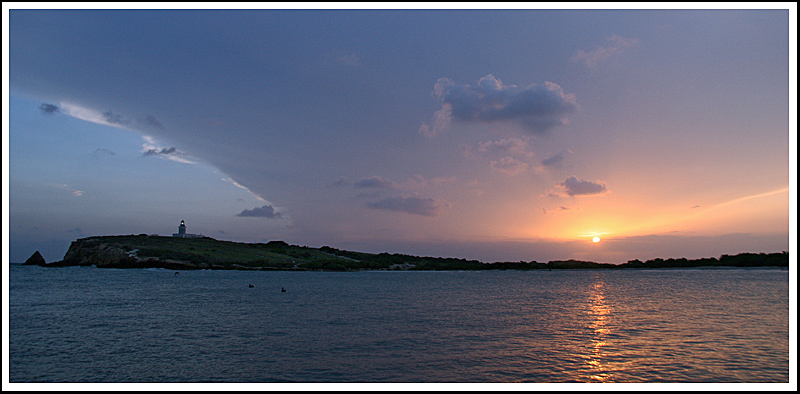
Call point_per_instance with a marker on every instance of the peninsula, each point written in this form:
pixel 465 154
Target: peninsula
pixel 187 253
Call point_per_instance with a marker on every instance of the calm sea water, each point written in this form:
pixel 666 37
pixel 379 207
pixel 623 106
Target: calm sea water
pixel 84 324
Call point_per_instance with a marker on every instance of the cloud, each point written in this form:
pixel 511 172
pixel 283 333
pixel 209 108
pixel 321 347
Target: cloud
pixel 602 53
pixel 74 192
pixel 151 121
pixel 424 206
pixel 102 152
pixel 579 187
pixel 240 186
pixel 375 182
pixel 420 182
pixel 561 208
pixel 441 121
pixel 113 118
pixel 415 182
pixel 342 181
pixel 151 148
pixel 509 165
pixel 556 159
pixel 505 146
pixel 267 211
pixel 537 108
pixel 163 151
pixel 49 108
pixel 107 118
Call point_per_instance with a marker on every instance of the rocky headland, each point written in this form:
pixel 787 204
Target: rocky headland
pixel 152 251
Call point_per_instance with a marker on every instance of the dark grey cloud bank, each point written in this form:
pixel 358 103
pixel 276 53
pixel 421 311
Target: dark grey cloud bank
pixel 577 187
pixel 537 108
pixel 166 153
pixel 49 108
pixel 266 211
pixel 163 151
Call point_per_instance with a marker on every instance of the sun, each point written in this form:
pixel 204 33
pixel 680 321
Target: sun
pixel 596 239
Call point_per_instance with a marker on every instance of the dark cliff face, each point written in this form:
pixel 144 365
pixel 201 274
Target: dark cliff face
pixel 92 251
pixel 104 253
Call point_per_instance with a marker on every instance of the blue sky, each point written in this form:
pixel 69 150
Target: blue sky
pixel 481 134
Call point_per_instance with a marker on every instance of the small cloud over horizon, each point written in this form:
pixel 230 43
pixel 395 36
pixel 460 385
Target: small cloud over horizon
pixel 266 211
pixel 580 187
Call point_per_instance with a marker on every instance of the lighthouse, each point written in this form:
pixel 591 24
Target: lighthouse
pixel 182 232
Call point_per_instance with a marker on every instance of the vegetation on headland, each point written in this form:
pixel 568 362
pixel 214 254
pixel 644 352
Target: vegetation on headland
pixel 150 251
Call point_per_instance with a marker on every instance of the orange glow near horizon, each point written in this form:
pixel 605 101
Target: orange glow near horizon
pixel 623 218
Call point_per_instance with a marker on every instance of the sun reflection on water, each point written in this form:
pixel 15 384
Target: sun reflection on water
pixel 599 311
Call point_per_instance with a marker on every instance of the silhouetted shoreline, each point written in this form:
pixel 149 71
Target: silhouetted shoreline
pixel 149 251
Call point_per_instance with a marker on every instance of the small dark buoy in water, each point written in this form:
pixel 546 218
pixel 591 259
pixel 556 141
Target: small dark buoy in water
pixel 177 273
pixel 283 290
pixel 250 285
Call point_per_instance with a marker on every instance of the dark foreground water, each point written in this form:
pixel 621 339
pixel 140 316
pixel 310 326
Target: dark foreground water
pixel 84 324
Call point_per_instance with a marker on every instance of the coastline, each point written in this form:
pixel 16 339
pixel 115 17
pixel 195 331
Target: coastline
pixel 174 253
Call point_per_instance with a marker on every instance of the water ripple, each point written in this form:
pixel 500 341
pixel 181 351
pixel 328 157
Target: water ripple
pixel 570 326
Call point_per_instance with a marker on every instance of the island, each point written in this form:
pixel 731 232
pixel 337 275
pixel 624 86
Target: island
pixel 190 253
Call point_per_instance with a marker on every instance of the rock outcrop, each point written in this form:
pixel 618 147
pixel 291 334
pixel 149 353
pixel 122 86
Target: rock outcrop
pixel 35 259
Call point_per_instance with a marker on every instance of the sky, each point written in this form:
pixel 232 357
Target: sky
pixel 486 134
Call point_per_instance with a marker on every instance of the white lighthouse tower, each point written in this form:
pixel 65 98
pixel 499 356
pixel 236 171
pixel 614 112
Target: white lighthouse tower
pixel 182 232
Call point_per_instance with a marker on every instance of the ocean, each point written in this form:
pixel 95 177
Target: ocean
pixel 87 324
